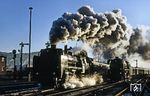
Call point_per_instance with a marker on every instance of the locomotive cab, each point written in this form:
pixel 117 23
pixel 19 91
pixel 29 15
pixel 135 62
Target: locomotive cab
pixel 47 66
pixel 116 70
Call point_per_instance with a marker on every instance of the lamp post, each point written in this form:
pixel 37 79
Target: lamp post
pixel 29 76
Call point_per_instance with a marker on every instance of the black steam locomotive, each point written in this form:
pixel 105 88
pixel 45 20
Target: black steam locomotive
pixel 52 65
pixel 119 69
pixel 122 70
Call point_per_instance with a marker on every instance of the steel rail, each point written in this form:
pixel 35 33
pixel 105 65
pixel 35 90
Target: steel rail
pixel 17 87
pixel 85 90
pixel 122 91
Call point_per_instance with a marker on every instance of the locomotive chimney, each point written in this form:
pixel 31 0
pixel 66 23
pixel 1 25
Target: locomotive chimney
pixel 65 49
pixel 53 46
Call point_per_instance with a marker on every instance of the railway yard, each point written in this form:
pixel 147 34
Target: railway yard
pixel 88 53
pixel 69 75
pixel 120 88
pixel 65 74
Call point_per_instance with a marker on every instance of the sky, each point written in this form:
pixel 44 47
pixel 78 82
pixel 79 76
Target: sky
pixel 14 18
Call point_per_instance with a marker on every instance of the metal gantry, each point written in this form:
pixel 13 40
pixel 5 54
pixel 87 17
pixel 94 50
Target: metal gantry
pixel 21 52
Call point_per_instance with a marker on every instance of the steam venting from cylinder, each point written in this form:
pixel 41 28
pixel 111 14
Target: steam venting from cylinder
pixel 74 82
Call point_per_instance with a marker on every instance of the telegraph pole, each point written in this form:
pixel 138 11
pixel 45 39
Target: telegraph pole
pixel 29 76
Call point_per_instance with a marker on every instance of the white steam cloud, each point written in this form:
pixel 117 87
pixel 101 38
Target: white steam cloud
pixel 74 82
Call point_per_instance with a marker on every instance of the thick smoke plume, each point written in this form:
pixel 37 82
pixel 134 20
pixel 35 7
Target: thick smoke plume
pixel 137 46
pixel 108 34
pixel 139 43
pixel 90 27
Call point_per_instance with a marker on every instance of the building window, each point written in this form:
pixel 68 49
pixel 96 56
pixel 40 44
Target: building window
pixel 3 59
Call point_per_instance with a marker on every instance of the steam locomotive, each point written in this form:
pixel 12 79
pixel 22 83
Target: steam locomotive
pixel 52 65
pixel 121 70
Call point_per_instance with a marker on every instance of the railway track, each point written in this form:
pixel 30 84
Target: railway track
pixel 120 88
pixel 86 91
pixel 112 91
pixel 33 92
pixel 145 90
pixel 18 87
pixel 98 90
pixel 52 92
pixel 24 92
